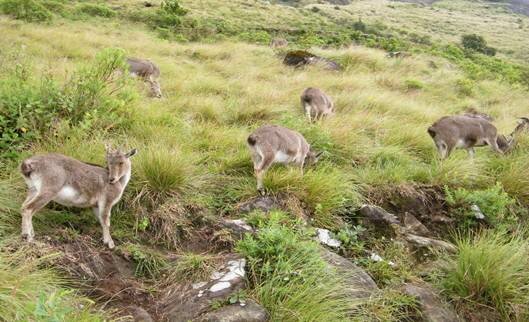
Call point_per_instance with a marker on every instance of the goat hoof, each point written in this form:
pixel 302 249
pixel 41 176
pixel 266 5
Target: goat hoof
pixel 27 237
pixel 110 244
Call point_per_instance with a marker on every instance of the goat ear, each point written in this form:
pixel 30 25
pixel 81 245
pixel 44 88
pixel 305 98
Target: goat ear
pixel 131 153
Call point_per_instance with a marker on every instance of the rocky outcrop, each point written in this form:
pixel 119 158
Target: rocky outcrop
pixel 194 302
pixel 414 226
pixel 425 242
pixel 379 219
pixel 247 312
pixel 360 284
pixel 431 305
pixel 299 58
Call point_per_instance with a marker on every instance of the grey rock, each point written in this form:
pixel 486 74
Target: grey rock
pixel 237 227
pixel 250 312
pixel 140 315
pixel 426 242
pixel 432 307
pixel 477 212
pixel 377 218
pixel 190 302
pixel 360 284
pixel 414 226
pixel 262 203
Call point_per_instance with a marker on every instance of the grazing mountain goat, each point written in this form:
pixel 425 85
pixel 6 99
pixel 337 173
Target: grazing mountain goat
pixel 275 144
pixel 316 104
pixel 467 132
pixel 148 71
pixel 278 43
pixel 69 182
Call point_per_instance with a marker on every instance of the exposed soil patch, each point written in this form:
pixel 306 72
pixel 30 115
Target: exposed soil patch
pixel 424 202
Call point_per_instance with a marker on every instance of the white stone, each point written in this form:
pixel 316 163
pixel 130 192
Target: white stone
pixel 199 285
pixel 216 275
pixel 477 212
pixel 325 238
pixel 375 257
pixel 219 286
pixel 230 276
pixel 240 223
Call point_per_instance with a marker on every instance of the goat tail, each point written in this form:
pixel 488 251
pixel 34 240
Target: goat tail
pixel 26 168
pixel 252 139
pixel 431 131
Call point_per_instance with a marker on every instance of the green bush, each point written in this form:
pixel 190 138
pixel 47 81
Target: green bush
pixel 27 10
pixel 413 85
pixel 490 270
pixel 290 278
pixel 93 97
pixel 95 10
pixel 169 15
pixel 494 202
pixel 477 43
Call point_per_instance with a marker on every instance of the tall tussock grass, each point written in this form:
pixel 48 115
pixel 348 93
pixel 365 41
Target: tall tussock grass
pixel 31 293
pixel 490 269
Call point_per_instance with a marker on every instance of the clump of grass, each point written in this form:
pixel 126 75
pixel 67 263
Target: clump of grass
pixel 30 293
pixel 192 267
pixel 490 269
pixel 164 171
pixel 148 263
pixel 326 191
pixel 9 208
pixel 290 278
pixel 389 305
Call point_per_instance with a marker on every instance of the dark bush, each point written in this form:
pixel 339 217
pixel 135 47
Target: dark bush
pixel 28 10
pixel 359 25
pixel 477 43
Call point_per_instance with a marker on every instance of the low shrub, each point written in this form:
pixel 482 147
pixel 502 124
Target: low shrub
pixel 493 202
pixel 95 10
pixel 290 279
pixel 27 10
pixel 490 269
pixel 169 16
pixel 477 43
pixel 93 97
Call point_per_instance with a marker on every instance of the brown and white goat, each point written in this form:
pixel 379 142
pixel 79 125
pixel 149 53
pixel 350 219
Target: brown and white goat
pixel 271 144
pixel 316 104
pixel 73 183
pixel 467 132
pixel 148 71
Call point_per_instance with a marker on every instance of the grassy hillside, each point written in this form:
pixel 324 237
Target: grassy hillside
pixel 193 154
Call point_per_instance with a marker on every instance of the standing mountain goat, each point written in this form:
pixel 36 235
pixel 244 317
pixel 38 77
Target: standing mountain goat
pixel 275 144
pixel 467 132
pixel 148 71
pixel 316 104
pixel 278 43
pixel 69 182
